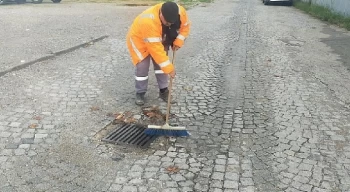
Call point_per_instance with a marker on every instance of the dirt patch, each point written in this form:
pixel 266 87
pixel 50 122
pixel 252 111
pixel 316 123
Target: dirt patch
pixel 150 115
pixel 340 43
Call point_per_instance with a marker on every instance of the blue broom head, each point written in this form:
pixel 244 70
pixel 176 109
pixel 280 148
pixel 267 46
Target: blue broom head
pixel 167 132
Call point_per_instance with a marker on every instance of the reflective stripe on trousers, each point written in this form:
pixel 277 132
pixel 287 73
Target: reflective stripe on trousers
pixel 141 75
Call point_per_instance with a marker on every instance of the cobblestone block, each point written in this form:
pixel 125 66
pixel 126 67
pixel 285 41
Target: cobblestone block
pixel 230 184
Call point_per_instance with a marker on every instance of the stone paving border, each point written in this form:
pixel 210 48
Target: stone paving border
pixel 50 56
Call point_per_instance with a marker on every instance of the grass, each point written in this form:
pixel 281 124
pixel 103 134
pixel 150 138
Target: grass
pixel 191 3
pixel 323 13
pixel 186 3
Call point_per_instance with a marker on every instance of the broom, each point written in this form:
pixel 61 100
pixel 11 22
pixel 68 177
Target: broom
pixel 166 129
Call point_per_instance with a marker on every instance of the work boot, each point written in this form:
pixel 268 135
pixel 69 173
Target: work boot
pixel 164 96
pixel 140 99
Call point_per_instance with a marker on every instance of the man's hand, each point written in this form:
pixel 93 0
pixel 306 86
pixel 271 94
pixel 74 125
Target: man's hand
pixel 175 48
pixel 172 74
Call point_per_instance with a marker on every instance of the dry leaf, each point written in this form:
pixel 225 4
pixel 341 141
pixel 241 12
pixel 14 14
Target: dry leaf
pixel 119 116
pixel 151 114
pixel 33 126
pixel 94 108
pixel 116 114
pixel 173 169
pixel 37 118
pixel 130 120
pixel 161 116
pixel 153 108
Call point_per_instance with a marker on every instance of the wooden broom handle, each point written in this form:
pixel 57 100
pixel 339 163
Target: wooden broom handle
pixel 170 89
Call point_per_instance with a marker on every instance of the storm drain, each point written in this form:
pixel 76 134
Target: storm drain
pixel 129 134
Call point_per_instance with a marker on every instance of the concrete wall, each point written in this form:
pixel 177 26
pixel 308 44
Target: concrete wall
pixel 339 6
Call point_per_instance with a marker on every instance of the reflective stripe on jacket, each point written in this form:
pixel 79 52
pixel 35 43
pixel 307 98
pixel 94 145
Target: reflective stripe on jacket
pixel 145 37
pixel 184 28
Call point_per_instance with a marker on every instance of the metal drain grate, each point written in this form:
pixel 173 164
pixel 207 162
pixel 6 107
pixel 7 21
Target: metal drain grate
pixel 130 135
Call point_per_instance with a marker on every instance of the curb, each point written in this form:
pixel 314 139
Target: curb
pixel 64 51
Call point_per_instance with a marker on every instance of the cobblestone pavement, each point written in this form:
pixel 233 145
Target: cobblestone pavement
pixel 262 97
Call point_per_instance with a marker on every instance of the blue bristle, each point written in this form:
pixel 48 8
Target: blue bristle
pixel 167 132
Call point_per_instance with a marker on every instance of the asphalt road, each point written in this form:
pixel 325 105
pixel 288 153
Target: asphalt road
pixel 262 93
pixel 31 31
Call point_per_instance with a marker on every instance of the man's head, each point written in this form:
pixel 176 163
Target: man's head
pixel 169 13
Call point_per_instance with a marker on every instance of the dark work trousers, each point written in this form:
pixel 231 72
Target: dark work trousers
pixel 141 74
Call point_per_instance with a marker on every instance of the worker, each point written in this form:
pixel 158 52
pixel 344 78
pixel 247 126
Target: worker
pixel 151 34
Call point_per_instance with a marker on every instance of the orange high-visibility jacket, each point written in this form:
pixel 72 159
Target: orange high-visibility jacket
pixel 145 37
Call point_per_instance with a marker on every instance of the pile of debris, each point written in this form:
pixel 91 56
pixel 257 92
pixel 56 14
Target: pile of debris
pixel 149 115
